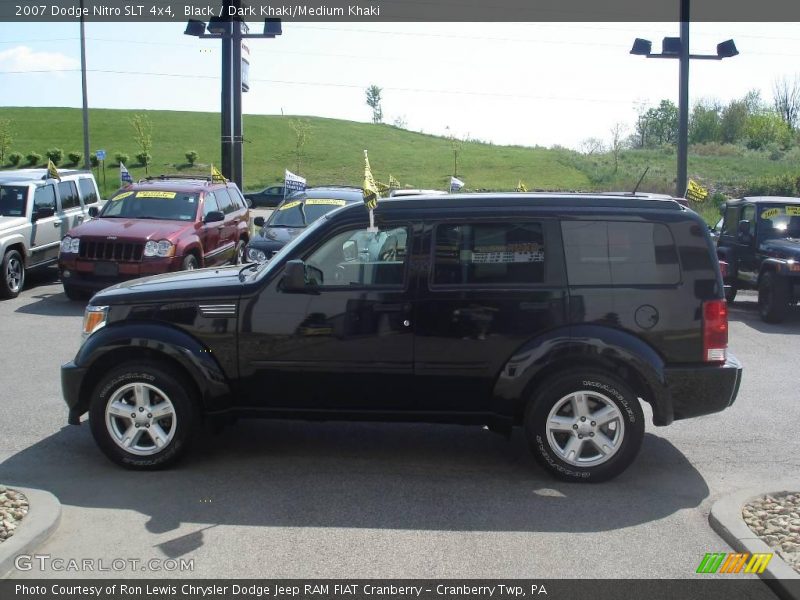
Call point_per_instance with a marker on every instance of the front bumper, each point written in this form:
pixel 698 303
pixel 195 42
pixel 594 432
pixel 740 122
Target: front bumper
pixel 81 273
pixel 72 377
pixel 702 390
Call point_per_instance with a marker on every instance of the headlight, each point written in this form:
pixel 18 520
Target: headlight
pixel 93 319
pixel 162 248
pixel 256 255
pixel 70 245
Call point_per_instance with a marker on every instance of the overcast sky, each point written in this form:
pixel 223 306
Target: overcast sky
pixel 509 83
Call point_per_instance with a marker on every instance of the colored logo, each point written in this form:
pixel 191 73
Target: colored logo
pixel 734 562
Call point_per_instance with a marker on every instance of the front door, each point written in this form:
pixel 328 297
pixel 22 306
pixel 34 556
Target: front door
pixel 347 344
pixel 746 246
pixel 209 233
pixel 46 232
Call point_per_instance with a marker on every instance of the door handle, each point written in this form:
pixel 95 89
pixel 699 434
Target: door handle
pixel 80 219
pixel 56 223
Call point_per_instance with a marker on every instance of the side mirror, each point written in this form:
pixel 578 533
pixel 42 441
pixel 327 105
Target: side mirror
pixel 43 212
pixel 93 211
pixel 297 277
pixel 248 202
pixel 215 216
pixel 744 226
pixel 258 221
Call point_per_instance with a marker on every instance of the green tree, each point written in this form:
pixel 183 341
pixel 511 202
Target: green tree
pixel 6 137
pixel 658 126
pixel 143 136
pixel 704 124
pixel 374 102
pixel 191 157
pixel 766 128
pixel 734 121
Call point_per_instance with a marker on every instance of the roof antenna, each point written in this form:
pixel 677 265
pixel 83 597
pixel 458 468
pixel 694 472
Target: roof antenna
pixel 638 183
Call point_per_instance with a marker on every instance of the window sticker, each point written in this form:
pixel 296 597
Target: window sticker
pixel 772 212
pixel 148 194
pixel 325 201
pixel 122 195
pixel 793 211
pixel 289 205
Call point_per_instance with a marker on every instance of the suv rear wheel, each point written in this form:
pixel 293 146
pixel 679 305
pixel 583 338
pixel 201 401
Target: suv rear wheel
pixel 584 426
pixel 142 415
pixel 12 276
pixel 773 298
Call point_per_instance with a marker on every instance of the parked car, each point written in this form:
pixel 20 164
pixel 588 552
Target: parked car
pixel 556 313
pixel 158 225
pixel 35 213
pixel 293 215
pixel 760 240
pixel 270 196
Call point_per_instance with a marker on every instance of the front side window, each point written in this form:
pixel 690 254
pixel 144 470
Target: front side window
pixel 361 258
pixel 12 200
pixel 488 254
pixel 69 195
pixel 731 222
pixel 209 204
pixel 44 197
pixel 152 204
pixel 619 253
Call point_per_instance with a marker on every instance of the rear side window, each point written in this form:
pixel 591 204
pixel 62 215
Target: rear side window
pixel 224 201
pixel 87 190
pixel 488 254
pixel 69 195
pixel 619 253
pixel 209 204
pixel 44 197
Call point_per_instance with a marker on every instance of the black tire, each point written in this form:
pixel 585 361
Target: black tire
pixel 773 298
pixel 74 293
pixel 163 384
pixel 190 263
pixel 12 274
pixel 626 431
pixel 239 257
pixel 730 292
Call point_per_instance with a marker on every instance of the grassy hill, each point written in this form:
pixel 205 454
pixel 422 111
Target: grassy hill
pixel 334 154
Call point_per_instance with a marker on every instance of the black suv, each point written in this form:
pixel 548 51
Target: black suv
pixel 554 313
pixel 294 214
pixel 760 241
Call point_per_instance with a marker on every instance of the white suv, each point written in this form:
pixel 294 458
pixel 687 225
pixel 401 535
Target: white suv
pixel 35 213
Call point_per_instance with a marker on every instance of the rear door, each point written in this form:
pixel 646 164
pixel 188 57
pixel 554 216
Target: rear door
pixel 71 209
pixel 493 285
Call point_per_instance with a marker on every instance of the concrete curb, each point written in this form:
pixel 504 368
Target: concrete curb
pixel 726 519
pixel 44 515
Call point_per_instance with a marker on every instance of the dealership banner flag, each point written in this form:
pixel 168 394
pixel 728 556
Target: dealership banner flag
pixel 393 183
pixel 52 172
pixel 455 184
pixel 521 187
pixel 216 175
pixel 124 175
pixel 696 192
pixel 292 183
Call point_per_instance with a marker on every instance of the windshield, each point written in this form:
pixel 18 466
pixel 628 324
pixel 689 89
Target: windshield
pixel 152 204
pixel 777 222
pixel 300 213
pixel 12 200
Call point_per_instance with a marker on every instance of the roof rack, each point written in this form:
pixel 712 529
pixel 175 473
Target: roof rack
pixel 168 177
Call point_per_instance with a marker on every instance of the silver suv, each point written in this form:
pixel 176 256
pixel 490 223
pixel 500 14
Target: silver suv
pixel 35 213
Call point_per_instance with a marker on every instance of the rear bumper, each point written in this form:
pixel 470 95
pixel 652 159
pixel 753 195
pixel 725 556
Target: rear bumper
pixel 702 390
pixel 71 380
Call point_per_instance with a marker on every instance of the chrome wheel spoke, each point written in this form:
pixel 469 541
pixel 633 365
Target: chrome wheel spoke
pixel 162 410
pixel 120 409
pixel 572 450
pixel 579 407
pixel 556 423
pixel 158 435
pixel 605 415
pixel 141 395
pixel 131 436
pixel 603 443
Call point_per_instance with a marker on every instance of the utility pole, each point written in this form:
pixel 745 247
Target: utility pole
pixel 87 164
pixel 683 103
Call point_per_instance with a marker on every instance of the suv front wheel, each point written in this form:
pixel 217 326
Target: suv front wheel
pixel 584 426
pixel 773 298
pixel 12 277
pixel 142 415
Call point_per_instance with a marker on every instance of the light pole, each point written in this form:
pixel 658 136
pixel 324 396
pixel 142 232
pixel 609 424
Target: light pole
pixel 679 48
pixel 231 31
pixel 87 164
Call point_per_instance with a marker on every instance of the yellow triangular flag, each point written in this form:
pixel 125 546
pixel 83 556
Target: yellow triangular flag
pixel 52 172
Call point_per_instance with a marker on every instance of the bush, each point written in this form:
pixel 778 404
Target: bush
pixel 33 158
pixel 716 149
pixel 121 157
pixel 191 157
pixel 15 158
pixel 93 160
pixel 75 157
pixel 55 154
pixel 782 185
pixel 144 158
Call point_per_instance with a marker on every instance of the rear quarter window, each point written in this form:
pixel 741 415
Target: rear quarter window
pixel 619 253
pixel 88 190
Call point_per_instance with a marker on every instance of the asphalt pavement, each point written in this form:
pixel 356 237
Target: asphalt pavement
pixel 295 499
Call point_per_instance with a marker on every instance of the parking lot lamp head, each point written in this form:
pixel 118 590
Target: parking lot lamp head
pixel 726 49
pixel 641 47
pixel 195 28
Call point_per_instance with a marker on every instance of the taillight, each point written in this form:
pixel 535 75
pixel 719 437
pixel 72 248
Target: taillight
pixel 715 330
pixel 723 267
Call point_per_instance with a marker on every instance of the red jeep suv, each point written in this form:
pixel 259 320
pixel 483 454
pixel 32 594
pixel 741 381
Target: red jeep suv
pixel 158 225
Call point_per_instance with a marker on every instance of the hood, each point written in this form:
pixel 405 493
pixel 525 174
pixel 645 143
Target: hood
pixel 131 229
pixel 181 286
pixel 782 248
pixel 281 235
pixel 10 222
